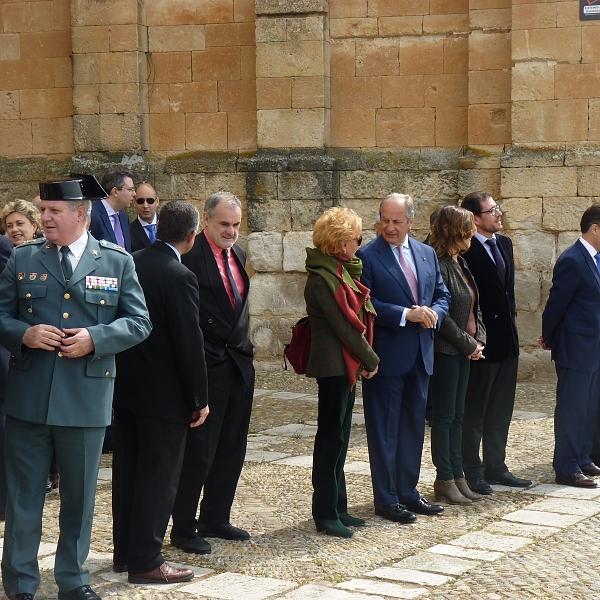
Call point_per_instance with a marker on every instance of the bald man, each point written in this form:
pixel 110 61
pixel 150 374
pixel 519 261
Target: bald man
pixel 143 229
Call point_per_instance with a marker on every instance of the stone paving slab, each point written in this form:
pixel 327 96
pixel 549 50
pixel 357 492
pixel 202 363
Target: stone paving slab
pixel 536 517
pixel 460 552
pixel 384 588
pixel 490 541
pixel 257 442
pixel 437 563
pixel 259 392
pixel 505 488
pixel 294 429
pixel 297 461
pixel 234 586
pixel 563 491
pixel 319 592
pixel 264 456
pixel 567 506
pixel 522 529
pixel 525 415
pixel 358 419
pixel 358 401
pixel 104 475
pixel 358 466
pixel 288 395
pixel 409 575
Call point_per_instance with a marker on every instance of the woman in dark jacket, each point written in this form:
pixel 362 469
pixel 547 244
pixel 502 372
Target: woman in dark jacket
pixel 341 320
pixel 461 339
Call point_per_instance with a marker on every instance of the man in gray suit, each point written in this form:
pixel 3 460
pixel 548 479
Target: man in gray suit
pixel 68 304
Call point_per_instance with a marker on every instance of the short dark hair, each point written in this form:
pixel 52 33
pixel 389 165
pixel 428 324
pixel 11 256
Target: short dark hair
pixel 473 201
pixel 227 198
pixel 177 220
pixel 115 179
pixel 590 217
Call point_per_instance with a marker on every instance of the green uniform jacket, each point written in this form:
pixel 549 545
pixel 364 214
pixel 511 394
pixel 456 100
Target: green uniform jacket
pixel 329 329
pixel 44 386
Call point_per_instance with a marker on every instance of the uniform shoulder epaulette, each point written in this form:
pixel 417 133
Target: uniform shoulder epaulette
pixel 37 241
pixel 112 246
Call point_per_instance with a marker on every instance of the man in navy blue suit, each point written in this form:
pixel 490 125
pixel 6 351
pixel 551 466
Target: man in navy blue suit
pixel 411 301
pixel 571 329
pixel 109 219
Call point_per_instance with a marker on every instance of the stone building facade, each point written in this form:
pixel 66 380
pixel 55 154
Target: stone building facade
pixel 298 105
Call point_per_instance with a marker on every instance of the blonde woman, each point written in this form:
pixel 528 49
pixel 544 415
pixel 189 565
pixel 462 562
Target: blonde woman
pixel 21 221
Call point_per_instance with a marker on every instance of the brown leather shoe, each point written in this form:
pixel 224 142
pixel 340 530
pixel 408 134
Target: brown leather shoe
pixel 577 479
pixel 590 469
pixel 163 574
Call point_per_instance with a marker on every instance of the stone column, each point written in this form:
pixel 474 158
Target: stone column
pixel 292 73
pixel 109 42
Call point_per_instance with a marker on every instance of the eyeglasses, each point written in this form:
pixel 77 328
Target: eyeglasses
pixel 148 200
pixel 130 190
pixel 492 211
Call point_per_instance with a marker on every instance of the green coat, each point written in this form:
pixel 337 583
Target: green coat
pixel 329 328
pixel 43 386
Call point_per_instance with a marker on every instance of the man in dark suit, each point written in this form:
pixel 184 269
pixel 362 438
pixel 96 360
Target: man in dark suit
pixel 143 228
pixel 214 453
pixel 109 219
pixel 571 329
pixel 411 301
pixel 492 384
pixel 161 388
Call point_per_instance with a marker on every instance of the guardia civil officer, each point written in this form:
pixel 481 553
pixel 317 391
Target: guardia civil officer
pixel 68 303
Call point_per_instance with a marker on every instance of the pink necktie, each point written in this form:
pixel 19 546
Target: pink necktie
pixel 409 274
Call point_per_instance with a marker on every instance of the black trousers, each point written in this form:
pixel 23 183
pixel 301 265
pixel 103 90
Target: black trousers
pixel 147 459
pixel 336 400
pixel 214 453
pixel 489 406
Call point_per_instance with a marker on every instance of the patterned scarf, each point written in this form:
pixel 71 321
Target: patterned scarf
pixel 352 297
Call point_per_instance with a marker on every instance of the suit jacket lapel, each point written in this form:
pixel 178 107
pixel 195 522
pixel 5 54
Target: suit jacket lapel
pixel 390 262
pixel 107 223
pixel 591 263
pixel 214 276
pixel 49 258
pixel 483 255
pixel 421 266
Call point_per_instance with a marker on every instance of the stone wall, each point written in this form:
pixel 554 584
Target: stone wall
pixel 299 105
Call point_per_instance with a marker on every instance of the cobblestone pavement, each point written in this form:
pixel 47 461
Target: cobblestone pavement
pixel 539 543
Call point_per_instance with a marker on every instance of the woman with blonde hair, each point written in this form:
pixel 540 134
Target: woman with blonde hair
pixel 21 221
pixel 461 338
pixel 341 320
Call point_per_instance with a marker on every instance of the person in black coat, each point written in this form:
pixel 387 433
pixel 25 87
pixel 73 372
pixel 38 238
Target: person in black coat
pixel 214 453
pixel 160 392
pixel 492 384
pixel 143 227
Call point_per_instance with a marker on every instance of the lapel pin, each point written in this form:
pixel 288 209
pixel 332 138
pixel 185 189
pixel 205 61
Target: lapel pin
pixel 95 252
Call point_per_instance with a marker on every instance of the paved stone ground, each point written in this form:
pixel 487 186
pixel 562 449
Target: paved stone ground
pixel 540 543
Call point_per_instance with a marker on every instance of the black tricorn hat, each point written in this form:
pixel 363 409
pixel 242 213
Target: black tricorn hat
pixel 75 187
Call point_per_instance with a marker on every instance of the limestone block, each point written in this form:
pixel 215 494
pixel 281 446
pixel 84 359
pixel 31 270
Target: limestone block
pixel 184 12
pixel 472 180
pixel 594 132
pixel 16 135
pixel 89 39
pixel 271 30
pixel 86 99
pixel 352 128
pixel 522 213
pixel 202 162
pixel 342 61
pixel 437 159
pixel 298 128
pixel 119 67
pixel 357 92
pixel 119 98
pixel 86 133
pixel 375 160
pixel 229 182
pixel 589 181
pixel 305 28
pixel 445 24
pixel 386 8
pixel 265 251
pixel 451 126
pixel 539 181
pixel 450 89
pixel 91 12
pixel 489 124
pixel 492 18
pixel 421 56
pixel 288 59
pixel 377 57
pixel 480 156
pixel 489 50
pixel 534 250
pixel 378 184
pixel 216 63
pixel 274 92
pixel 405 127
pixel 353 27
pixel 9 104
pixel 300 185
pixel 124 38
pixel 203 131
pixel 230 34
pixel 187 186
pixel 86 68
pixel 310 92
pixel 565 239
pixel 269 216
pixel 263 335
pixel 564 213
pixel 561 44
pixel 530 327
pixel 284 7
pixel 176 38
pixel 534 155
pixel 535 364
pixel 533 81
pixel 428 185
pixel 306 212
pixel 423 209
pixel 582 154
pixel 489 87
pixel 277 294
pixel 261 186
pixel 533 16
pixel 347 8
pixel 528 290
pixel 294 250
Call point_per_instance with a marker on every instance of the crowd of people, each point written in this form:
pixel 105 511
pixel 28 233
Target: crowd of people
pixel 88 301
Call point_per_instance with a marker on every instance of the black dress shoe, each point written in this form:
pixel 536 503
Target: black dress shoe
pixel 396 513
pixel 21 597
pixel 84 592
pixel 195 545
pixel 225 531
pixel 52 483
pixel 509 480
pixel 590 469
pixel 480 486
pixel 577 479
pixel 422 507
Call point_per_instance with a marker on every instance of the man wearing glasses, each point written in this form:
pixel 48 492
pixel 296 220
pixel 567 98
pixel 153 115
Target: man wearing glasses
pixel 109 219
pixel 492 382
pixel 143 229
